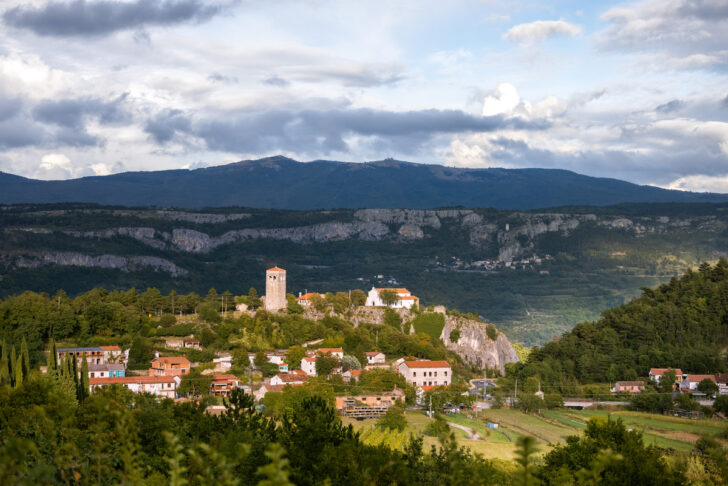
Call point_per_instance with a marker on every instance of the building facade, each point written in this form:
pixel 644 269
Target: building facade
pixel 163 386
pixel 405 299
pixel 426 372
pixel 170 366
pixel 275 289
pixel 108 370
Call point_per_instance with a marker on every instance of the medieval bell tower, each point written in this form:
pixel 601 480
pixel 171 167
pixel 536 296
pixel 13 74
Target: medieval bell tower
pixel 275 289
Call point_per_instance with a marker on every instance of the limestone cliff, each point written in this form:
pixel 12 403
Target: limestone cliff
pixel 474 345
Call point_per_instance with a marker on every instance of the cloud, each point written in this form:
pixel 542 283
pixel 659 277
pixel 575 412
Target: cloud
pixel 71 113
pixel 325 131
pixel 221 78
pixel 676 35
pixel 276 81
pixel 19 132
pixel 163 127
pixel 701 183
pixel 505 101
pixel 9 107
pixel 541 29
pixel 99 18
pixel 670 106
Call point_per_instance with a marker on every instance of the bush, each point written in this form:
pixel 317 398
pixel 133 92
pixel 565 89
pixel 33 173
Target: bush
pixel 393 419
pixel 167 320
pixel 438 427
pixel 721 404
pixel 209 313
pixel 492 332
pixel 392 318
pixel 350 363
pixel 178 330
pixel 454 335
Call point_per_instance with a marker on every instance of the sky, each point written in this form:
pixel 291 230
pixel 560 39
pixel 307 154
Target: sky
pixel 634 90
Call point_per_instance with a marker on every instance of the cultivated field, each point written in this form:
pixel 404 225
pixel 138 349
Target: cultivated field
pixel 553 426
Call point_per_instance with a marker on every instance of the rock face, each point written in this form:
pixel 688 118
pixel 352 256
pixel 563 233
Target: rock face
pixel 125 264
pixel 514 235
pixel 474 345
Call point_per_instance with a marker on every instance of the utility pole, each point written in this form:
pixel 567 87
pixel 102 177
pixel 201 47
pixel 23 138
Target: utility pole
pixel 515 393
pixel 430 406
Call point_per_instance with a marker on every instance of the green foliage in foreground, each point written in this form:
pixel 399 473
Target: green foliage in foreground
pixel 682 324
pixel 116 437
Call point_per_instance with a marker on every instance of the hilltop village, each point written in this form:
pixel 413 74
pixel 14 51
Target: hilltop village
pixel 172 374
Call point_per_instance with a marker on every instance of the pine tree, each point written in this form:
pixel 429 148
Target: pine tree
pixel 26 357
pixel 19 372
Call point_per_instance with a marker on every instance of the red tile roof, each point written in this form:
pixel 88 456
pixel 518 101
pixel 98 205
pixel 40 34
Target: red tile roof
pixel 432 387
pixel 172 360
pixel 275 269
pixel 309 295
pixel 373 353
pixel 288 378
pixel 329 350
pixel 356 372
pixel 110 348
pixel 399 291
pixel 661 371
pixel 224 377
pixel 427 364
pixel 131 379
pixel 699 378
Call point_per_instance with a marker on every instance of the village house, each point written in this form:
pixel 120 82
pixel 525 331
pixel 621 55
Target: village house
pixel 305 299
pixel 375 358
pixel 170 366
pixel 405 299
pixel 335 352
pixel 113 354
pixel 221 385
pixel 108 370
pixel 386 399
pixel 223 362
pixel 349 374
pixel 426 372
pixel 691 382
pixel 94 355
pixel 656 374
pixel 308 366
pixel 191 343
pixel 628 387
pixel 722 380
pixel 163 386
pixel 297 377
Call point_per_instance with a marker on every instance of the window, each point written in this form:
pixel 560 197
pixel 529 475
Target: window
pixel 435 373
pixel 414 374
pixel 446 373
pixel 92 375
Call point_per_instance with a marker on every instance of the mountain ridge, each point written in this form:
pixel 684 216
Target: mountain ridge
pixel 279 182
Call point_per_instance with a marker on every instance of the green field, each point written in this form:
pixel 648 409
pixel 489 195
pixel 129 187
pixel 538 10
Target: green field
pixel 553 426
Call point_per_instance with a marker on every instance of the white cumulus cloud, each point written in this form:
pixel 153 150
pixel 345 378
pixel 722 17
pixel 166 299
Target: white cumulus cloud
pixel 541 29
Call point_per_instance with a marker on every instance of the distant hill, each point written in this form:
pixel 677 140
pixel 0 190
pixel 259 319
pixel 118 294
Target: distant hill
pixel 282 183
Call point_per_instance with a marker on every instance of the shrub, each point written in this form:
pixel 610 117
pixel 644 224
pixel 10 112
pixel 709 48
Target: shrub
pixel 438 427
pixel 492 332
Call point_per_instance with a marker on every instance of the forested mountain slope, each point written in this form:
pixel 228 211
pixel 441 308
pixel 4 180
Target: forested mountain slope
pixel 279 182
pixel 681 324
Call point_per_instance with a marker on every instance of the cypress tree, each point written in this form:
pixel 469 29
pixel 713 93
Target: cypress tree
pixel 83 389
pixel 74 370
pixel 25 355
pixel 4 373
pixel 12 363
pixel 4 350
pixel 19 372
pixel 54 354
pixel 50 363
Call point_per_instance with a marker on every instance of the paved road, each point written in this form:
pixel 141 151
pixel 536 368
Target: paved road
pixel 472 435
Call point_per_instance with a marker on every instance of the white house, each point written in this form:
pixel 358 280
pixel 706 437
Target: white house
pixel 308 366
pixel 405 299
pixel 295 378
pixel 106 370
pixel 305 299
pixel 691 382
pixel 656 374
pixel 426 372
pixel 375 358
pixel 164 386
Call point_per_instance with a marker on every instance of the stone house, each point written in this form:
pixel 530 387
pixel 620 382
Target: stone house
pixel 426 372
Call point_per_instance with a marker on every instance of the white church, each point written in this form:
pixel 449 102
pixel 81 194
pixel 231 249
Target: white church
pixel 405 299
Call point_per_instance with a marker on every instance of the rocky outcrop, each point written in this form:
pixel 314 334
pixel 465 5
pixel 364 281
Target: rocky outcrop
pixel 514 235
pixel 474 345
pixel 123 263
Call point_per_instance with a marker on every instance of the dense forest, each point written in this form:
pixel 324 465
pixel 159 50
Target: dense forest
pixel 680 324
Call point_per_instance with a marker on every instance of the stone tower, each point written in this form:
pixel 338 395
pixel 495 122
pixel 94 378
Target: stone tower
pixel 275 289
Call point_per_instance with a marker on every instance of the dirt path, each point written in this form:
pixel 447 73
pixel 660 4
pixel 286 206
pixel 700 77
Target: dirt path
pixel 472 435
